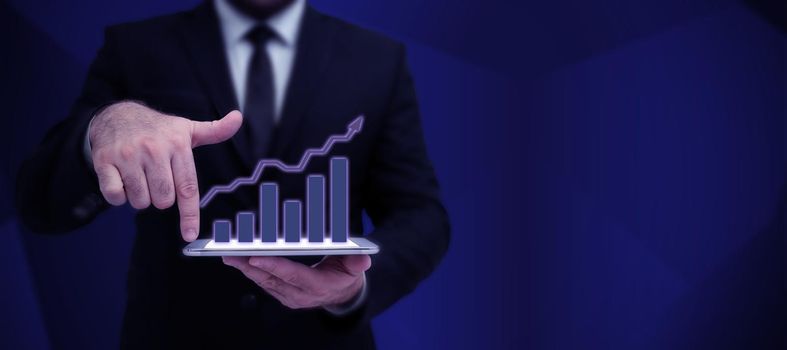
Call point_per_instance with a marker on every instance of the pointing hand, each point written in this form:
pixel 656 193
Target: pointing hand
pixel 145 157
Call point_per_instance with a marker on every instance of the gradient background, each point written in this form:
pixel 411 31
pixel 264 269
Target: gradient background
pixel 615 172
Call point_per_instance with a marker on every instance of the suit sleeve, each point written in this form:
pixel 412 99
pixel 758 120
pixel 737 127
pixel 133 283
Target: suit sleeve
pixel 57 189
pixel 402 198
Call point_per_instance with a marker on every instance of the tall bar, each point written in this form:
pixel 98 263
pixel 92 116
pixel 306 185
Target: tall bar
pixel 221 231
pixel 244 222
pixel 315 207
pixel 292 221
pixel 339 201
pixel 269 211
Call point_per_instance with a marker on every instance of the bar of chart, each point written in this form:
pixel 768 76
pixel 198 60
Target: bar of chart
pixel 320 219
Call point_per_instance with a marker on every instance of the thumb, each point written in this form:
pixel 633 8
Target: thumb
pixel 208 133
pixel 356 264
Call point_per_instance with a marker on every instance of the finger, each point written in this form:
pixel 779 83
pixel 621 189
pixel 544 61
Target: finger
pixel 234 260
pixel 356 264
pixel 187 192
pixel 242 263
pixel 136 186
pixel 110 183
pixel 286 293
pixel 160 183
pixel 208 133
pixel 287 270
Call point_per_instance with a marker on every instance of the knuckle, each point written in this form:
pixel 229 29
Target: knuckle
pixel 263 283
pixel 101 156
pixel 292 279
pixel 114 197
pixel 132 185
pixel 189 216
pixel 188 189
pixel 162 187
pixel 128 152
pixel 270 283
pixel 112 192
pixel 180 144
pixel 272 266
pixel 167 203
pixel 162 202
pixel 149 146
pixel 136 193
pixel 104 177
pixel 140 204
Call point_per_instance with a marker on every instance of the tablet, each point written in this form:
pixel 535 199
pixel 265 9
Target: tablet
pixel 208 247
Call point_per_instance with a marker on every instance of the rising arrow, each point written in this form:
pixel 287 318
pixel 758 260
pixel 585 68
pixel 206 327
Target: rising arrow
pixel 353 128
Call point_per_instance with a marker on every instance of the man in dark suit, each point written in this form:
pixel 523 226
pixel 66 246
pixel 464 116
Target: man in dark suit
pixel 161 87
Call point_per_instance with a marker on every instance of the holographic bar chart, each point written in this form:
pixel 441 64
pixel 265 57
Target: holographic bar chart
pixel 292 215
pixel 320 218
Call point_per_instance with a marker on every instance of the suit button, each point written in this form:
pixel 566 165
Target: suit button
pixel 248 301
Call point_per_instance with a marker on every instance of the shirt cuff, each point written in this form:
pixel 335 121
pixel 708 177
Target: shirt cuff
pixel 350 305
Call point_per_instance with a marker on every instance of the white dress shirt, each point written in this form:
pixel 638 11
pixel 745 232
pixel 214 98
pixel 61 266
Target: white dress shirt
pixel 281 49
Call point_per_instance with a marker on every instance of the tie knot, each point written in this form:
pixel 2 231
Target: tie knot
pixel 260 34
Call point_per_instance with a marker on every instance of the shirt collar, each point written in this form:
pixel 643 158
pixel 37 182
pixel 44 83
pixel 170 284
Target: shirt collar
pixel 235 24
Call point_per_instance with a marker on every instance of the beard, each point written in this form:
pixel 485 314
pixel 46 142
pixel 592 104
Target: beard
pixel 260 9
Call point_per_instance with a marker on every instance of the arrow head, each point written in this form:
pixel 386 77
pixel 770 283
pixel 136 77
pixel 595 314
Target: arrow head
pixel 356 124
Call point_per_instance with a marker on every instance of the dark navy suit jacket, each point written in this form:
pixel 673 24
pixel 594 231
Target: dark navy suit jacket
pixel 176 64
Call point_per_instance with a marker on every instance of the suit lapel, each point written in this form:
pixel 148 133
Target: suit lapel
pixel 205 46
pixel 315 42
pixel 202 37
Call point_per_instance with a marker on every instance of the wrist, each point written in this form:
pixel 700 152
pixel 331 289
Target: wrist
pixel 104 112
pixel 87 146
pixel 356 297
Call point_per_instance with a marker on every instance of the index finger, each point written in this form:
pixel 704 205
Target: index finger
pixel 287 270
pixel 187 190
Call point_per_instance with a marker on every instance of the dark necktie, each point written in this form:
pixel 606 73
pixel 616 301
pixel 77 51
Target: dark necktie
pixel 258 107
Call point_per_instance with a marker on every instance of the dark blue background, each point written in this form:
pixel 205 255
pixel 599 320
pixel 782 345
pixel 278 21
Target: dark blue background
pixel 615 171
